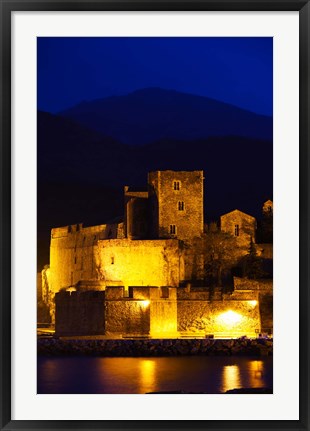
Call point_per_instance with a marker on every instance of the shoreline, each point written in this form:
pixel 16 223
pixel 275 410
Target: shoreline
pixel 154 347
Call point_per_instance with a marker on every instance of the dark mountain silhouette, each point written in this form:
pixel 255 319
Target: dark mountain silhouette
pixel 151 114
pixel 81 173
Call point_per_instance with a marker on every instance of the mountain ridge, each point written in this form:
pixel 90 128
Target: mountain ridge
pixel 150 114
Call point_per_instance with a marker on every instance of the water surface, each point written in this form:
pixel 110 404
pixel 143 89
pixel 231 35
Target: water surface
pixel 97 375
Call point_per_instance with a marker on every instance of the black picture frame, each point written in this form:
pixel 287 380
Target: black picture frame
pixel 7 7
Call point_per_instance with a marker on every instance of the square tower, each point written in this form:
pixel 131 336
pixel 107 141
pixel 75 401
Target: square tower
pixel 176 200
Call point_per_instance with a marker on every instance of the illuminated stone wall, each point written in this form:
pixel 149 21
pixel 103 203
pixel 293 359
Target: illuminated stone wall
pixel 181 206
pixel 127 317
pixel 248 284
pixel 264 291
pixel 156 312
pixel 140 263
pixel 227 318
pixel 131 316
pixel 72 253
pixel 149 311
pixel 163 318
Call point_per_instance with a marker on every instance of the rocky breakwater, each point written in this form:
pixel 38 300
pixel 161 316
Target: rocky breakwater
pixel 152 347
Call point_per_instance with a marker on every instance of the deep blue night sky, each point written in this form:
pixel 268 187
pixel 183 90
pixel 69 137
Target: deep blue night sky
pixel 234 70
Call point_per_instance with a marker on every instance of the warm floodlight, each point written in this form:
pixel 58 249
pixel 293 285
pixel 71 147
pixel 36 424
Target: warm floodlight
pixel 71 289
pixel 145 303
pixel 230 318
pixel 252 303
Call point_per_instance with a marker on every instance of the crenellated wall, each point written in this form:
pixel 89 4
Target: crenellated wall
pixel 157 312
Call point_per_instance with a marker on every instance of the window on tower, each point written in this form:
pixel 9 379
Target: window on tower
pixel 173 229
pixel 236 230
pixel 181 206
pixel 176 185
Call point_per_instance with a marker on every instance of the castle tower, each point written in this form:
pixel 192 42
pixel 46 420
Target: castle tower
pixel 176 204
pixel 136 214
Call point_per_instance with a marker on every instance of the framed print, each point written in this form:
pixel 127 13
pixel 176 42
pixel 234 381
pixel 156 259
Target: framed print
pixel 154 182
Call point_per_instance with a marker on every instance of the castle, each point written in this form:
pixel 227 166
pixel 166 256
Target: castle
pixel 138 276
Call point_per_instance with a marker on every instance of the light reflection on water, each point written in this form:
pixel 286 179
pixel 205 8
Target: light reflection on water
pixel 197 374
pixel 147 375
pixel 231 377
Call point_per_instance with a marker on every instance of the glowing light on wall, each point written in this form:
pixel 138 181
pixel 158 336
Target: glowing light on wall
pixel 252 303
pixel 229 318
pixel 145 304
pixel 71 289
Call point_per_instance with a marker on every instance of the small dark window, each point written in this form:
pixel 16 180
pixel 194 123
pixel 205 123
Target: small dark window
pixel 164 292
pixel 112 260
pixel 181 206
pixel 95 237
pixel 173 229
pixel 176 185
pixel 75 259
pixel 236 230
pixel 69 229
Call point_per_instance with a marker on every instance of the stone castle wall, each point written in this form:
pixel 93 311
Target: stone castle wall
pixel 80 313
pixel 72 253
pixel 249 284
pixel 127 316
pixel 264 291
pixel 228 318
pixel 156 312
pixel 140 263
pixel 150 311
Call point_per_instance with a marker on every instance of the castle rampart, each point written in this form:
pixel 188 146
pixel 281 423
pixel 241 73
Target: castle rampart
pixel 157 312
